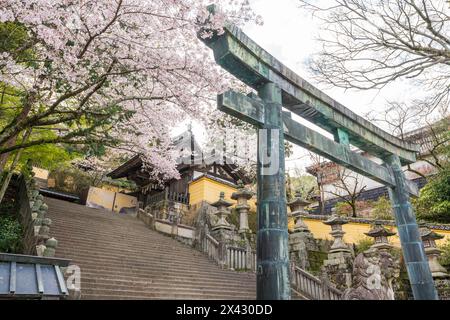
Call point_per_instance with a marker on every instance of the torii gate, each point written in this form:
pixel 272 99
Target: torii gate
pixel 278 87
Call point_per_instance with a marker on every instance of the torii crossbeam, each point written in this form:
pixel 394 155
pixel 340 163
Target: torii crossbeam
pixel 278 87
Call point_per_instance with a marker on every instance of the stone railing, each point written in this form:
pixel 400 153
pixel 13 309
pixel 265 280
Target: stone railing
pixel 26 220
pixel 229 257
pixel 234 257
pixel 312 287
pixel 241 259
pixel 36 227
pixel 210 246
pixel 181 232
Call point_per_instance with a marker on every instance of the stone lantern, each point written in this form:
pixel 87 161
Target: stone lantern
pixel 429 238
pixel 339 262
pixel 301 240
pixel 222 212
pixel 242 195
pixel 336 222
pixel 380 235
pixel 297 206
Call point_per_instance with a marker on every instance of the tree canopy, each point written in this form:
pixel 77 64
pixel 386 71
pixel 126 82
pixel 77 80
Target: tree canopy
pixel 115 73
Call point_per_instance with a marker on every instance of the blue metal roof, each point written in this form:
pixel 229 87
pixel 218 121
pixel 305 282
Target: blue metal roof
pixel 30 277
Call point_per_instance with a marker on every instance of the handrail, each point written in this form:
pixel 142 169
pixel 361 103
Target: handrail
pixel 210 246
pixel 214 241
pixel 313 287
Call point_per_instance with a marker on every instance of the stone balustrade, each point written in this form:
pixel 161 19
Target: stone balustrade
pixel 32 215
pixel 312 287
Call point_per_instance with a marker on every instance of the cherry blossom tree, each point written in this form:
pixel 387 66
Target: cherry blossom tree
pixel 120 73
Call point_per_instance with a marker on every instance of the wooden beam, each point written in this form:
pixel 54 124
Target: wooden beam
pixel 250 63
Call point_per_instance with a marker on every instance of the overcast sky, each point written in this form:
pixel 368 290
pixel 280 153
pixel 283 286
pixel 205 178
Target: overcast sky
pixel 289 34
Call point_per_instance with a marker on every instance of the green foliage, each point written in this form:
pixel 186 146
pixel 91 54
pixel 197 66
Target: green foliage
pixel 14 38
pixel 47 156
pixel 444 259
pixel 433 203
pixel 363 244
pixel 10 235
pixel 121 183
pixel 343 209
pixel 72 180
pixel 382 209
pixel 316 259
pixel 7 207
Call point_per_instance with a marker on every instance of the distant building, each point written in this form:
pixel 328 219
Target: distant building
pixel 202 177
pixel 327 173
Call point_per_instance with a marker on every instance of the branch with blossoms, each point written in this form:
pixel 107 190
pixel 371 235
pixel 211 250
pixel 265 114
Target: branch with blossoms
pixel 120 72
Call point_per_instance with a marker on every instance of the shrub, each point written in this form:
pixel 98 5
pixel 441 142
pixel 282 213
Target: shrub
pixel 363 244
pixel 433 203
pixel 343 209
pixel 382 209
pixel 444 259
pixel 10 235
pixel 72 180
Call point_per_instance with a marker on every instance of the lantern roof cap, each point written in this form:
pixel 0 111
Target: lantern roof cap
pixel 378 230
pixel 298 200
pixel 335 220
pixel 241 192
pixel 222 202
pixel 427 233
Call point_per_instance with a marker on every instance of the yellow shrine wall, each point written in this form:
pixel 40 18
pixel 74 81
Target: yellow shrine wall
pixel 206 189
pixel 109 200
pixel 40 173
pixel 354 231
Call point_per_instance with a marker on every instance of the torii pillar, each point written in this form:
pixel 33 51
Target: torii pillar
pixel 273 273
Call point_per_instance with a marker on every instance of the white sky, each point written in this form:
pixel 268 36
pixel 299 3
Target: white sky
pixel 289 34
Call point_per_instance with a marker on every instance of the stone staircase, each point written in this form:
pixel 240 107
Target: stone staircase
pixel 120 258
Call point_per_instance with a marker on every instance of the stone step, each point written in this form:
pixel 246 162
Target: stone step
pixel 141 248
pixel 93 296
pixel 125 262
pixel 95 241
pixel 159 272
pixel 107 284
pixel 166 295
pixel 121 258
pixel 159 278
pixel 168 289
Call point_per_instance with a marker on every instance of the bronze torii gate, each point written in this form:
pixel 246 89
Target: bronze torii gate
pixel 278 87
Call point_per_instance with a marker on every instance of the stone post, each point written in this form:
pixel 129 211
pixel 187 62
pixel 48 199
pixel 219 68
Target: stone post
pixel 300 239
pixel 241 196
pixel 440 275
pixel 44 230
pixel 339 263
pixel 222 229
pixel 50 249
pixel 429 238
pixel 297 206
